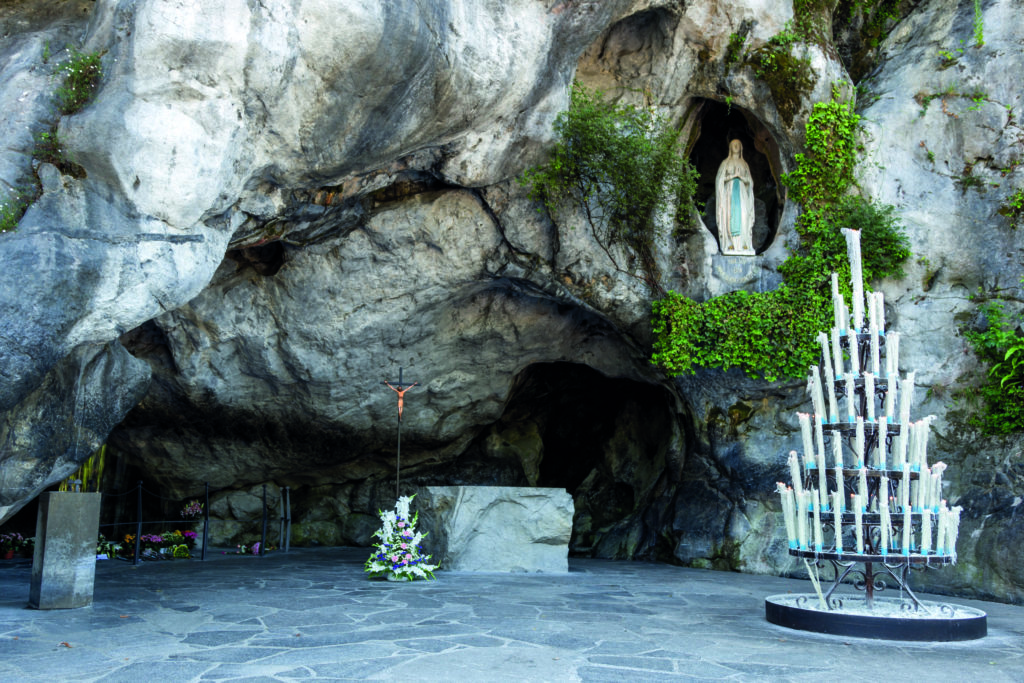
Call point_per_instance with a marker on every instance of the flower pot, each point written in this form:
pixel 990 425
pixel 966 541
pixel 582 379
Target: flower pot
pixel 9 554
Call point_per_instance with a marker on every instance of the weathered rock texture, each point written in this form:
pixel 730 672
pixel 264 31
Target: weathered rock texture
pixel 285 201
pixel 497 528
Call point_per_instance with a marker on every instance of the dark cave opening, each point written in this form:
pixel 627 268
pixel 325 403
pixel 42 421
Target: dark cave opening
pixel 605 440
pixel 716 124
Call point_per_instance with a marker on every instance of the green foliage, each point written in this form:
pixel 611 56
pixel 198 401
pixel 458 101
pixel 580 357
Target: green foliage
pixel 49 149
pixel 734 51
pixel 948 58
pixel 14 206
pixel 1000 347
pixel 80 75
pixel 789 77
pixel 979 25
pixel 772 334
pixel 1013 208
pixel 620 165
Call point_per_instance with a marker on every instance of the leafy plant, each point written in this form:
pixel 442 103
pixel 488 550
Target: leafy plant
pixel 979 25
pixel 788 76
pixel 772 334
pixel 14 207
pixel 620 165
pixel 734 51
pixel 1013 208
pixel 80 77
pixel 948 58
pixel 999 346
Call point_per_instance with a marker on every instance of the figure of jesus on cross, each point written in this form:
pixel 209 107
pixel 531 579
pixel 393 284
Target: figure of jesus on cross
pixel 399 388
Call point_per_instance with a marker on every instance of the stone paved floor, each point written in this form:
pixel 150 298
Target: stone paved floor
pixel 312 615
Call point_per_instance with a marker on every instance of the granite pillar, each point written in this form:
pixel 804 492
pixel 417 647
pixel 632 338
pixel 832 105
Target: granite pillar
pixel 64 565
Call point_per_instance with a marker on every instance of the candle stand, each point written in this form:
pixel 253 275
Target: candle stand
pixel 864 506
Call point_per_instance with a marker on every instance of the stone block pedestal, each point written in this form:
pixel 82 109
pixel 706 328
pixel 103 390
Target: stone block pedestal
pixel 497 528
pixel 64 565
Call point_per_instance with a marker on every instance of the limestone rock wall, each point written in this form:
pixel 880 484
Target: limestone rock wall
pixel 283 202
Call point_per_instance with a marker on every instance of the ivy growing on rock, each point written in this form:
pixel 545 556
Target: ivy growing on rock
pixel 621 166
pixel 772 334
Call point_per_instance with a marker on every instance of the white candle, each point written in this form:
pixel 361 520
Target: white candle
pixel 785 495
pixel 837 452
pixel 862 488
pixel 833 403
pixel 883 510
pixel 869 395
pixel 905 397
pixel 940 537
pixel 890 397
pixel 794 472
pixel 846 317
pixel 854 354
pixel 818 544
pixel 905 480
pixel 837 352
pixel 851 397
pixel 882 464
pixel 822 480
pixel 801 519
pixel 819 438
pixel 805 432
pixel 926 431
pixel 858 441
pixel 953 530
pixel 937 471
pixel 837 519
pixel 907 526
pixel 926 531
pixel 924 479
pixel 826 354
pixel 873 332
pixel 892 354
pixel 858 518
pixel 856 276
pixel 880 309
pixel 817 399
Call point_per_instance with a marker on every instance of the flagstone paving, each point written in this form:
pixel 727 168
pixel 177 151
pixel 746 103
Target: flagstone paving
pixel 311 614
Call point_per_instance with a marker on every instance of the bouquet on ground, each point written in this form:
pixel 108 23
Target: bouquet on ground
pixel 397 554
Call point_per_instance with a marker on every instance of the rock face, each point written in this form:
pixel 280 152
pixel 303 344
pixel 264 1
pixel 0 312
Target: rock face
pixel 283 202
pixel 497 528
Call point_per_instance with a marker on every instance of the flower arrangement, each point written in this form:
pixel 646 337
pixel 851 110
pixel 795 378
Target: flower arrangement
pixel 11 543
pixel 107 548
pixel 192 510
pixel 397 556
pixel 181 552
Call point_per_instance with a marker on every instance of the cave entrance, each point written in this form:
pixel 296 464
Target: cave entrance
pixel 713 125
pixel 604 440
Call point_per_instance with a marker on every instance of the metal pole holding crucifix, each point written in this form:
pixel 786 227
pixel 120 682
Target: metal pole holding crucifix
pixel 399 388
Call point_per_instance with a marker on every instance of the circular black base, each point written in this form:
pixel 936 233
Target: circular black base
pixel 966 624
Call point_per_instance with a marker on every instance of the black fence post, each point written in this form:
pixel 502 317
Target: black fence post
pixel 206 521
pixel 138 524
pixel 263 537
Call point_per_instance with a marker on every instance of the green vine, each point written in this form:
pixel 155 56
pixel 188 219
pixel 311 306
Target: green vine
pixel 1013 208
pixel 1000 348
pixel 772 334
pixel 620 165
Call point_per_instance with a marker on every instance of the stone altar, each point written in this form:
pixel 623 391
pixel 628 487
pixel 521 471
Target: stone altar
pixel 497 528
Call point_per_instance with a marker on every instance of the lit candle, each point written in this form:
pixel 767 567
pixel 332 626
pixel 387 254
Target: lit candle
pixel 805 432
pixel 881 444
pixel 858 441
pixel 926 531
pixel 858 518
pixel 801 519
pixel 818 544
pixel 892 354
pixel 837 352
pixel 837 519
pixel 856 276
pixel 851 396
pixel 869 395
pixel 794 472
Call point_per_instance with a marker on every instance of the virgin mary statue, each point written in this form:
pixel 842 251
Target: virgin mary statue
pixel 734 203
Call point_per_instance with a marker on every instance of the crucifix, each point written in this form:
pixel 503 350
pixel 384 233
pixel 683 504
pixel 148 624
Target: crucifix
pixel 399 388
